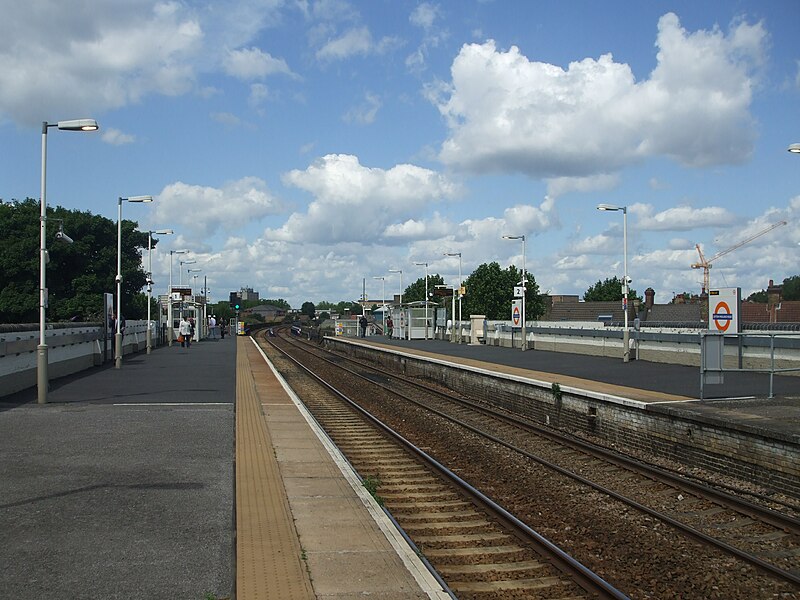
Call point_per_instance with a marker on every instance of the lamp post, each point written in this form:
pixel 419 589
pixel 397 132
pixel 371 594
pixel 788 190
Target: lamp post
pixel 452 309
pixel 191 261
pixel 401 299
pixel 171 252
pixel 426 296
pixel 626 353
pixel 524 287
pixel 170 328
pixel 200 319
pixel 42 362
pixel 150 280
pixel 383 297
pixel 118 335
pixel 458 254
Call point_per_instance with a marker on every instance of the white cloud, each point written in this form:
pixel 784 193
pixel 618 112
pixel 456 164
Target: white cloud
pixel 354 203
pixel 681 218
pixel 252 63
pixel 202 211
pixel 115 137
pixel 365 113
pixel 509 114
pixel 356 41
pixel 83 58
pixel 425 15
pixel 602 182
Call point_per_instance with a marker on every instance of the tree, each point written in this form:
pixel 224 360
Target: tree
pixel 791 288
pixel 77 274
pixel 280 303
pixel 416 291
pixel 760 297
pixel 308 309
pixel 490 291
pixel 609 290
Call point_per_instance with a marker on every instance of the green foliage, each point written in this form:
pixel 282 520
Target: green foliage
pixel 280 303
pixel 416 291
pixel 789 291
pixel 490 291
pixel 308 309
pixel 371 484
pixel 791 288
pixel 77 274
pixel 608 290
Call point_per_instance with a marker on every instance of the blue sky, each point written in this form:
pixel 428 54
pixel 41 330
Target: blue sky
pixel 303 147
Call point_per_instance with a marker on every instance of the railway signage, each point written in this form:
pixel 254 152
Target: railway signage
pixel 723 310
pixel 516 313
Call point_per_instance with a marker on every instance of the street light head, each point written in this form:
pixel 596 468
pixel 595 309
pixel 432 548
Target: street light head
pixel 163 232
pixel 79 125
pixel 608 207
pixel 137 199
pixel 63 237
pixel 514 237
pixel 452 253
pixel 794 148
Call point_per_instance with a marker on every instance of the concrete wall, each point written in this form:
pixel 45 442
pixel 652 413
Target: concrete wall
pixel 627 425
pixel 69 351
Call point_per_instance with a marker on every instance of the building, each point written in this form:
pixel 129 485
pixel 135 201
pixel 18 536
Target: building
pixel 247 294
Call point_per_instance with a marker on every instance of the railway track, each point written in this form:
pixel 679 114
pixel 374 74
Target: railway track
pixel 765 539
pixel 479 549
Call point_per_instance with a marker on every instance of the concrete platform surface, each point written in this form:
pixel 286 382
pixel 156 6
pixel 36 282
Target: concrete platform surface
pixel 121 486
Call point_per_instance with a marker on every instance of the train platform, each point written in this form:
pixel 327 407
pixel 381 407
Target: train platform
pixel 666 388
pixel 187 473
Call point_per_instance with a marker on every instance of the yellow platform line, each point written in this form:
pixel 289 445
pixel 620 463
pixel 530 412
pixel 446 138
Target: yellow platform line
pixel 269 562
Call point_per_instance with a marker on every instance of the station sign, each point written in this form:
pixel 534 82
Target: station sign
pixel 516 313
pixel 519 291
pixel 724 307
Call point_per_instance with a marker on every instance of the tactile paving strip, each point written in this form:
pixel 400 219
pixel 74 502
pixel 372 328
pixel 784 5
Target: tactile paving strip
pixel 269 560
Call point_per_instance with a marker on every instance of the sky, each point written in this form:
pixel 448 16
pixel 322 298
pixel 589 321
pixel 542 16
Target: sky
pixel 304 148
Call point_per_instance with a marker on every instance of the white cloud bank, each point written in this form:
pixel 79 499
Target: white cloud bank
pixel 509 114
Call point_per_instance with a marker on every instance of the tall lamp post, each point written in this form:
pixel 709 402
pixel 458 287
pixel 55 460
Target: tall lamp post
pixel 150 280
pixel 426 296
pixel 626 352
pixel 171 252
pixel 383 297
pixel 200 319
pixel 524 287
pixel 401 298
pixel 170 328
pixel 191 261
pixel 118 335
pixel 458 254
pixel 42 377
pixel 452 310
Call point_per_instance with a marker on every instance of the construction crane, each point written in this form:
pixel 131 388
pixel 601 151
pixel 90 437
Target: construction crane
pixel 706 264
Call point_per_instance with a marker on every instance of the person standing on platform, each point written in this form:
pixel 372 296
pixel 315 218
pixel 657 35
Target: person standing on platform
pixel 362 323
pixel 212 326
pixel 222 328
pixel 389 327
pixel 185 331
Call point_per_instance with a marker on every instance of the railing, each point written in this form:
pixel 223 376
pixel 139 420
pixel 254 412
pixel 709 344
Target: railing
pixel 713 356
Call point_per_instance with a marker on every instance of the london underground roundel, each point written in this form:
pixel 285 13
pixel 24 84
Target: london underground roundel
pixel 722 316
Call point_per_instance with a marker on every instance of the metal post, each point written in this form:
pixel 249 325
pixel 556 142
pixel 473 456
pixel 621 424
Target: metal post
pixel 42 380
pixel 118 335
pixel 149 289
pixel 626 355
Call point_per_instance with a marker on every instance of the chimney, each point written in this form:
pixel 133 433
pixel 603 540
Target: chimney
pixel 649 298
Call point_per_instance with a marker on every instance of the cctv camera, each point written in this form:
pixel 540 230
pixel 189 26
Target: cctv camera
pixel 628 280
pixel 63 237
